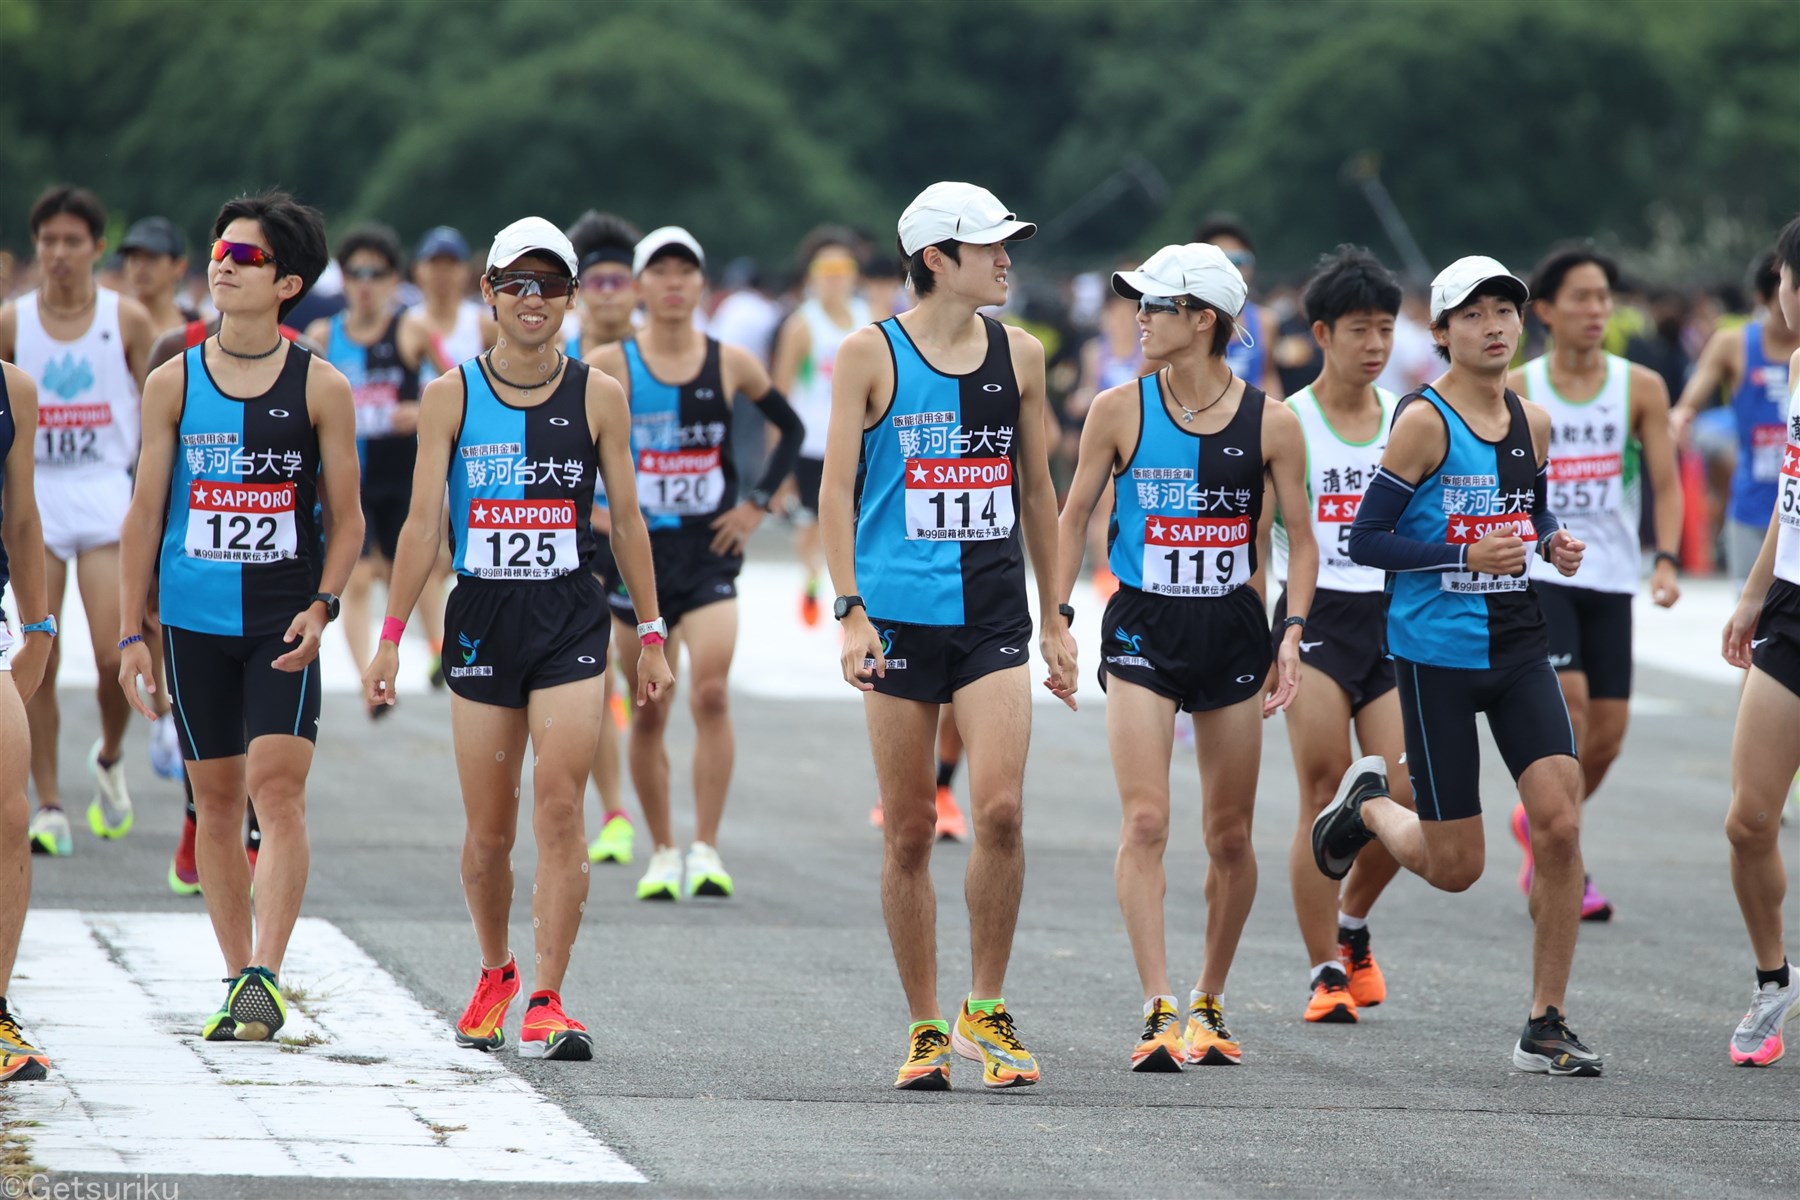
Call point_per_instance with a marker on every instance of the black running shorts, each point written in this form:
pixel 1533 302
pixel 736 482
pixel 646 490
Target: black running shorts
pixel 931 663
pixel 1345 637
pixel 1590 633
pixel 504 640
pixel 1775 646
pixel 1525 712
pixel 226 692
pixel 604 567
pixel 688 576
pixel 808 473
pixel 1201 653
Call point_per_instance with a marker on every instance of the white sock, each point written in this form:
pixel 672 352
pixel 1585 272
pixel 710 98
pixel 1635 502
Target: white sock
pixel 1194 998
pixel 1152 1002
pixel 1346 921
pixel 1334 964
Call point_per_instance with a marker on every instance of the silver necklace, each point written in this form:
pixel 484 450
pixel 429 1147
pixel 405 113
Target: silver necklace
pixel 1188 414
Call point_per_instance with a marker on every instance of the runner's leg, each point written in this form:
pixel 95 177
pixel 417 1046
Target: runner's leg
pixel 900 738
pixel 564 720
pixel 710 636
pixel 1764 759
pixel 490 751
pixel 97 576
pixel 1140 735
pixel 996 731
pixel 276 774
pixel 1228 742
pixel 42 714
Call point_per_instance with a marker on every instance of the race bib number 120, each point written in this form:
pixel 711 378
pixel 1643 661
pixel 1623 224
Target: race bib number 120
pixel 682 483
pixel 959 499
pixel 520 539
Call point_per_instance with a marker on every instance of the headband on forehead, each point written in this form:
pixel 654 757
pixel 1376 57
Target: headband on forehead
pixel 605 254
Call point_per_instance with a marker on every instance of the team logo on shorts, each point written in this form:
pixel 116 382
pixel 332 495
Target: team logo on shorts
pixel 1132 642
pixel 887 650
pixel 470 648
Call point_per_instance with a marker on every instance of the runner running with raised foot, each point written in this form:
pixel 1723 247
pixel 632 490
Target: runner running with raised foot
pixel 687 488
pixel 248 439
pixel 24 650
pixel 1187 452
pixel 1609 427
pixel 1460 502
pixel 1763 638
pixel 603 249
pixel 935 459
pixel 381 351
pixel 1347 680
pixel 86 348
pixel 518 435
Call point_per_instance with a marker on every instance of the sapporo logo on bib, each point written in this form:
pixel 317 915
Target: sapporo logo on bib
pixel 521 539
pixel 241 522
pixel 1467 530
pixel 683 483
pixel 959 499
pixel 1586 483
pixel 1196 556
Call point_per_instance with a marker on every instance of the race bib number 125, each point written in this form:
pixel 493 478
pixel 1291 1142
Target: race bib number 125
pixel 520 539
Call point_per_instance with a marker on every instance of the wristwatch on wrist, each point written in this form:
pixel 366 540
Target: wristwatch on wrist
pixel 761 497
pixel 47 625
pixel 1068 612
pixel 653 633
pixel 331 605
pixel 1673 560
pixel 842 606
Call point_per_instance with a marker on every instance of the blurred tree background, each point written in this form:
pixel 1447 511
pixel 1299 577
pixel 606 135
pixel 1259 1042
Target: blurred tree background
pixel 1669 128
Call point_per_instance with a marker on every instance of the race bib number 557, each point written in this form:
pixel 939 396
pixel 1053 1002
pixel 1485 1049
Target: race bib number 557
pixel 520 539
pixel 959 499
pixel 241 522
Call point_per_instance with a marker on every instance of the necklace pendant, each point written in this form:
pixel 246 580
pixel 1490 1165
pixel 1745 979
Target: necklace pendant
pixel 1188 415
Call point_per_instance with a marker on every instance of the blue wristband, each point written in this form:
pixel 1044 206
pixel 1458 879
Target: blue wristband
pixel 133 640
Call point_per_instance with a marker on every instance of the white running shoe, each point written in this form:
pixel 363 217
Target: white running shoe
pixel 706 874
pixel 1758 1040
pixel 49 833
pixel 109 815
pixel 165 748
pixel 663 880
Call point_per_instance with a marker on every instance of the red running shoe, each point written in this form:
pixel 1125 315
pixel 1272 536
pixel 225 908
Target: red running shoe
pixel 482 1023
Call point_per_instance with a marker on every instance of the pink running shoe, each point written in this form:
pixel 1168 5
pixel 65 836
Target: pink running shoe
pixel 1594 906
pixel 1521 831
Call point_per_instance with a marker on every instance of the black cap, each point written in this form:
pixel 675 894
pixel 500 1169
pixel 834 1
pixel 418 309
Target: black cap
pixel 154 235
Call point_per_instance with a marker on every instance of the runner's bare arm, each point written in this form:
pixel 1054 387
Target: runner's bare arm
pixel 610 421
pixel 169 345
pixel 1037 502
pixel 1284 450
pixel 143 528
pixel 1558 547
pixel 1720 364
pixel 138 331
pixel 23 534
pixel 9 331
pixel 418 349
pixel 333 415
pixel 861 381
pixel 1649 403
pixel 1111 416
pixel 792 346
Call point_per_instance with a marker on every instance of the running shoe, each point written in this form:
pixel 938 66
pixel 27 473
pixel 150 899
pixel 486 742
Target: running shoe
pixel 49 833
pixel 165 748
pixel 1594 906
pixel 19 1059
pixel 184 872
pixel 1368 986
pixel 220 1027
pixel 809 609
pixel 482 1026
pixel 877 815
pixel 1105 583
pixel 621 709
pixel 1331 1002
pixel 991 1040
pixel 1549 1047
pixel 663 880
pixel 1160 1048
pixel 952 826
pixel 109 814
pixel 706 874
pixel 549 1032
pixel 927 1065
pixel 255 1005
pixel 1758 1041
pixel 1521 831
pixel 614 842
pixel 1208 1042
pixel 1339 833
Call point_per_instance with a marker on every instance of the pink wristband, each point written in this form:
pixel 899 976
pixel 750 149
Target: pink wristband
pixel 391 629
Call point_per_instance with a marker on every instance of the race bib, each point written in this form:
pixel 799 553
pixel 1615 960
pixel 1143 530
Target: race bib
pixel 1586 484
pixel 68 434
pixel 1466 531
pixel 681 483
pixel 1787 501
pixel 241 522
pixel 1196 556
pixel 520 539
pixel 1768 443
pixel 959 499
pixel 375 405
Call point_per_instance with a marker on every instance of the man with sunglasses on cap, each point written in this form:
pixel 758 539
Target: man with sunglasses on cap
pixel 519 435
pixel 1188 451
pixel 248 440
pixel 1458 505
pixel 679 383
pixel 934 458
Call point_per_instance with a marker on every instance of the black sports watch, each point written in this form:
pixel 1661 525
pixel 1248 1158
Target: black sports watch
pixel 331 605
pixel 761 497
pixel 1067 611
pixel 842 606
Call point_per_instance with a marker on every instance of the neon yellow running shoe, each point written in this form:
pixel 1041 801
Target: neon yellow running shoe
pixel 991 1040
pixel 255 1006
pixel 614 842
pixel 927 1065
pixel 109 814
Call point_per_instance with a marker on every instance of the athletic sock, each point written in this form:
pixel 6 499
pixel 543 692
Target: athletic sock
pixel 1346 921
pixel 1323 967
pixel 1196 996
pixel 1152 1002
pixel 107 764
pixel 543 997
pixel 941 1026
pixel 946 772
pixel 984 1006
pixel 1779 976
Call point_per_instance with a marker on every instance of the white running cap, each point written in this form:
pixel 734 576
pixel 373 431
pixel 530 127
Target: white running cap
pixel 669 237
pixel 1458 281
pixel 1198 269
pixel 528 235
pixel 959 212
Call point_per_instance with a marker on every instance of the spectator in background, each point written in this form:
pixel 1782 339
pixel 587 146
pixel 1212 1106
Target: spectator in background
pixel 1414 362
pixel 1297 356
pixel 1250 354
pixel 155 254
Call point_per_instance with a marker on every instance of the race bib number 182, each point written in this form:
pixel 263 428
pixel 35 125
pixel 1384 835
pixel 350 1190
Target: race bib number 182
pixel 959 499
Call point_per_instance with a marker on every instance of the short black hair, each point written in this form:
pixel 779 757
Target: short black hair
pixel 1223 330
pixel 379 238
pixel 1350 280
pixel 1765 276
pixel 612 238
pixel 1488 287
pixel 917 273
pixel 76 201
pixel 1220 225
pixel 840 236
pixel 1547 278
pixel 1787 248
pixel 295 231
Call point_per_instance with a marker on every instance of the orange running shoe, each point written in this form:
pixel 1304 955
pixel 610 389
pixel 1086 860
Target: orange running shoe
pixel 877 817
pixel 481 1026
pixel 809 609
pixel 952 826
pixel 621 710
pixel 1105 583
pixel 1368 986
pixel 1161 1048
pixel 1209 1043
pixel 1331 1002
pixel 927 1065
pixel 549 1032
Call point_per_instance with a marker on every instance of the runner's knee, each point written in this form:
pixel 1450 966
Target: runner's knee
pixel 1146 827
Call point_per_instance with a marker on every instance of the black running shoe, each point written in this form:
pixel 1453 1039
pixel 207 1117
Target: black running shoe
pixel 1550 1047
pixel 1339 833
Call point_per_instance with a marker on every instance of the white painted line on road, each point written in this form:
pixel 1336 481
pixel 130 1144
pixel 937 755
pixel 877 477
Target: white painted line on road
pixel 117 1000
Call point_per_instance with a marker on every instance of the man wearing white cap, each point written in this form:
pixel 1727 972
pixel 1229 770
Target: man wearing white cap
pixel 679 384
pixel 944 410
pixel 1187 451
pixel 519 434
pixel 1456 508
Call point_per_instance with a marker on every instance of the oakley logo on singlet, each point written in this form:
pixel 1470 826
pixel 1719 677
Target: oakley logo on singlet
pixel 992 387
pixel 1246 679
pixel 559 421
pixel 1009 649
pixel 1235 451
pixel 278 412
pixel 587 660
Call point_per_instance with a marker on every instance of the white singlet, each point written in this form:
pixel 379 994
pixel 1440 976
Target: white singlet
pixel 460 344
pixel 1594 477
pixel 1338 472
pixel 812 383
pixel 1787 498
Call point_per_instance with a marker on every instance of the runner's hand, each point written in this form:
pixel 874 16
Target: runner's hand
pixel 134 665
pixel 733 527
pixel 1058 647
pixel 1565 552
pixel 1284 680
pixel 378 680
pixel 1665 586
pixel 655 680
pixel 1497 554
pixel 307 628
pixel 1738 632
pixel 1681 425
pixel 862 658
